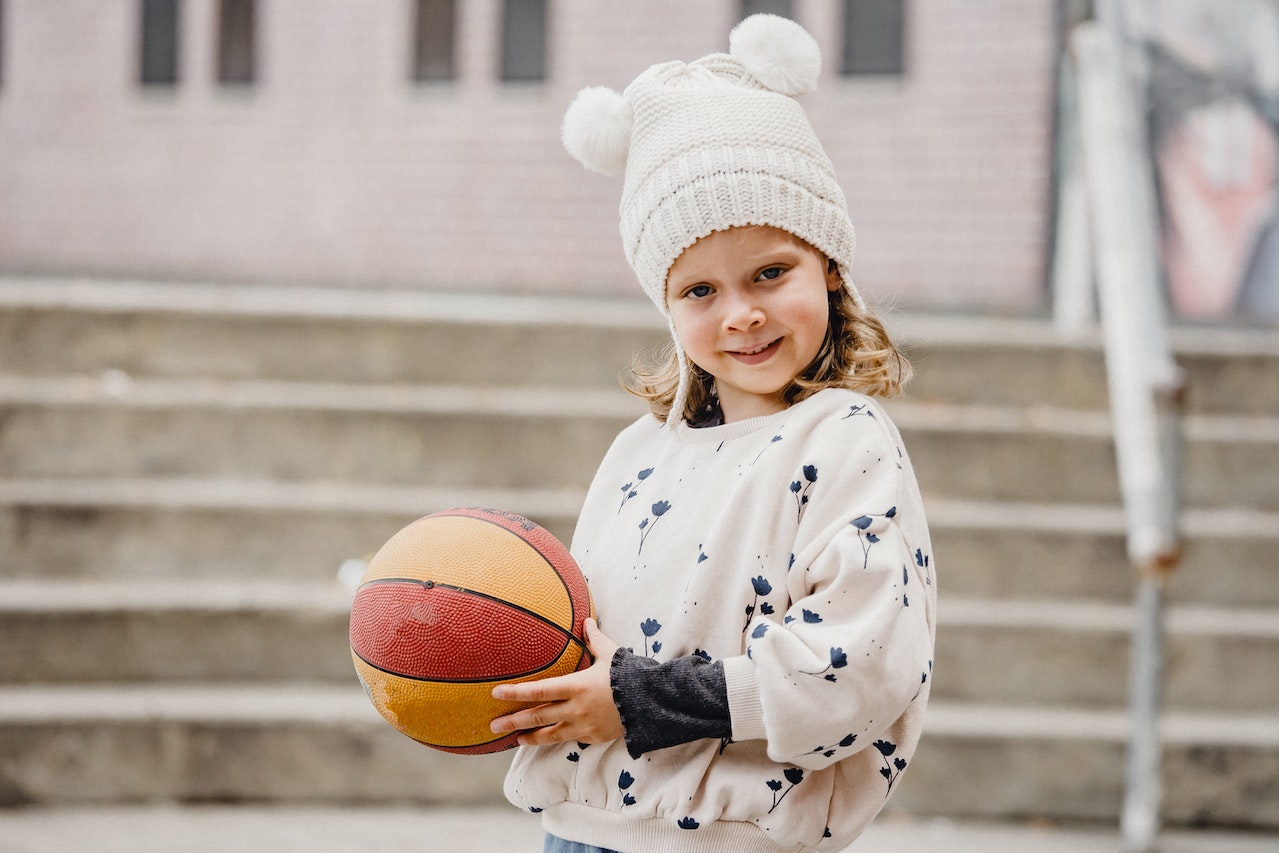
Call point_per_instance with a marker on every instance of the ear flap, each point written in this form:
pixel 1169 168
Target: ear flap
pixel 597 130
pixel 778 52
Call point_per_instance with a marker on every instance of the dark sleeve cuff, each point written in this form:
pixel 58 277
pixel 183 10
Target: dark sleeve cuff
pixel 664 704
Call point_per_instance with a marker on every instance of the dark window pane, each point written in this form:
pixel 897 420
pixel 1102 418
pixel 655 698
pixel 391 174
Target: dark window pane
pixel 774 7
pixel 433 40
pixel 874 34
pixel 159 42
pixel 235 41
pixel 524 40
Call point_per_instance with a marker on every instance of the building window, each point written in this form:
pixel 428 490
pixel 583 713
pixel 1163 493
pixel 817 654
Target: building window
pixel 433 40
pixel 523 40
pixel 236 53
pixel 874 37
pixel 772 7
pixel 159 42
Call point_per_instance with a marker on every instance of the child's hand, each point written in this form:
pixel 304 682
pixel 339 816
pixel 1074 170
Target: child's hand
pixel 576 707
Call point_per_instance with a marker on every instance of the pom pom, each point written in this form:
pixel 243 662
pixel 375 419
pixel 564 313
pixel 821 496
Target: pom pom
pixel 778 52
pixel 597 130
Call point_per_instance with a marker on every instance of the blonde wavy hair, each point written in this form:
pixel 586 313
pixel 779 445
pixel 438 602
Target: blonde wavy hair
pixel 856 353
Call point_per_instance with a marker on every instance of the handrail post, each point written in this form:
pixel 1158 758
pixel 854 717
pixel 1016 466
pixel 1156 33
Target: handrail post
pixel 1145 384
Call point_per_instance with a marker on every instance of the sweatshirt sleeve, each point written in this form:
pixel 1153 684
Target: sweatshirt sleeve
pixel 853 649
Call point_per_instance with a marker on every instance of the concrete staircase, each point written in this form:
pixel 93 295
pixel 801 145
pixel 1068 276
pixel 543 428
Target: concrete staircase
pixel 183 469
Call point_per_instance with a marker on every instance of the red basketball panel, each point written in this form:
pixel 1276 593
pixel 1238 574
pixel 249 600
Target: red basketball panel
pixel 435 632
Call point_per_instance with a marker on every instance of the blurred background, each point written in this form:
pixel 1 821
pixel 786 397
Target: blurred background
pixel 279 276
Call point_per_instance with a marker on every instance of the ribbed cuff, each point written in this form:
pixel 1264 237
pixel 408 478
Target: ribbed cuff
pixel 745 708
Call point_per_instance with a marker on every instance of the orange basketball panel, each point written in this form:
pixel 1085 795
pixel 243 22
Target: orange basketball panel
pixel 447 715
pixel 478 555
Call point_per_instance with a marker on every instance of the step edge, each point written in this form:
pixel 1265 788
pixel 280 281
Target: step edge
pixel 345 705
pixel 113 388
pixel 318 496
pixel 221 494
pixel 309 302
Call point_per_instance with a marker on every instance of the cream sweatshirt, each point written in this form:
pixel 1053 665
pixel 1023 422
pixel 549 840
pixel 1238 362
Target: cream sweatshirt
pixel 793 548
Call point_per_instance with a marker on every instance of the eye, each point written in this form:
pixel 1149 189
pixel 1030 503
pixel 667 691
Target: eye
pixel 771 273
pixel 698 291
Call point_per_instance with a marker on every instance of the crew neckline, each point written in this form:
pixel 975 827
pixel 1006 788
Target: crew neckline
pixel 727 432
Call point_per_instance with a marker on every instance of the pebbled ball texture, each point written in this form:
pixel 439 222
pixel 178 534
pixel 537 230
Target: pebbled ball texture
pixel 458 602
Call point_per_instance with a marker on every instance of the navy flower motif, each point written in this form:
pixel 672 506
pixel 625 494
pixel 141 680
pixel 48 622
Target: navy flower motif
pixel 921 560
pixel 923 679
pixel 801 488
pixel 854 411
pixel 838 660
pixel 650 627
pixel 771 442
pixel 624 781
pixel 794 775
pixel 762 587
pixel 862 523
pixel 891 769
pixel 646 526
pixel 829 751
pixel 576 755
pixel 631 489
pixel 687 823
pixel 701 558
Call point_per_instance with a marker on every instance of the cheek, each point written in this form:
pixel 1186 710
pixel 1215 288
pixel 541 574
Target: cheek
pixel 814 314
pixel 687 335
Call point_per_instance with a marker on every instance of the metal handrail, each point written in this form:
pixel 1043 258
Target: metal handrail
pixel 1145 384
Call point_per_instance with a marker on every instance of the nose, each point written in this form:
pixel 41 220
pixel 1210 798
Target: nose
pixel 742 311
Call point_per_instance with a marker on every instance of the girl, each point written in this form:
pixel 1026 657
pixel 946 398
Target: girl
pixel 757 546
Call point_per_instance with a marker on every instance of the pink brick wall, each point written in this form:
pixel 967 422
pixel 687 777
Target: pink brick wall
pixel 336 168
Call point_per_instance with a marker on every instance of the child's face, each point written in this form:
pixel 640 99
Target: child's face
pixel 750 308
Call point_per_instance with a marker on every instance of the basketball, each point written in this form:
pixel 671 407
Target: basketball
pixel 456 603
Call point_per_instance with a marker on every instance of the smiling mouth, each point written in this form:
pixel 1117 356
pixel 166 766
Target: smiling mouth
pixel 753 355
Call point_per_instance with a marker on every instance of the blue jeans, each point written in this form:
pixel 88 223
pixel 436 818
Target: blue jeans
pixel 555 844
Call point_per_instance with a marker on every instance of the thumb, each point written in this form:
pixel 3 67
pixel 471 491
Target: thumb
pixel 599 644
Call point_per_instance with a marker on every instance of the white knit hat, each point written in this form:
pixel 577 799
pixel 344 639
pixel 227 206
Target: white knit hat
pixel 713 144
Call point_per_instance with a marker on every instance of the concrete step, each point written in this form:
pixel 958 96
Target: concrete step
pixel 190 743
pixel 275 631
pixel 314 744
pixel 450 435
pixel 176 630
pixel 1059 653
pixel 1005 361
pixel 439 437
pixel 1019 550
pixel 164 529
pixel 306 828
pixel 51 327
pixel 1068 764
pixel 246 529
pixel 1046 453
